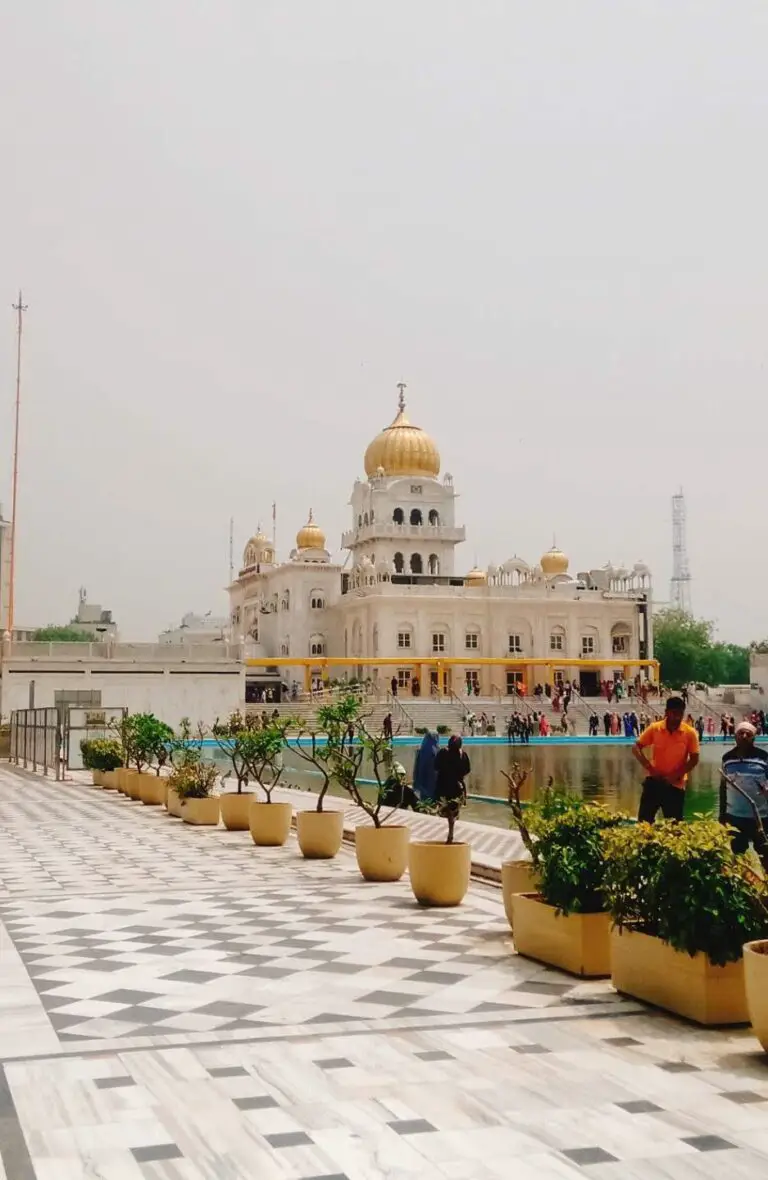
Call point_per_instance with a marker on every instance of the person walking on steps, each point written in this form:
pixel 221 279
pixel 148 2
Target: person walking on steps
pixel 674 752
pixel 746 765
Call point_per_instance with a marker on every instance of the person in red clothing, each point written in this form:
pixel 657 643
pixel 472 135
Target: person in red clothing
pixel 674 752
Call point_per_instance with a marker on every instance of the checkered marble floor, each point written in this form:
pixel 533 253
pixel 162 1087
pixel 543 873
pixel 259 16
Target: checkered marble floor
pixel 175 1003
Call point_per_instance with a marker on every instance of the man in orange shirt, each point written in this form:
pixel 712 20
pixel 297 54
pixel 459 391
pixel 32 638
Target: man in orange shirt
pixel 674 750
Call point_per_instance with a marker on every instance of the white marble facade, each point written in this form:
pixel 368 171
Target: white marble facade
pixel 403 592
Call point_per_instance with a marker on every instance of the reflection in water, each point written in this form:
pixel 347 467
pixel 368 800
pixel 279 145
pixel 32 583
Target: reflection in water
pixel 602 773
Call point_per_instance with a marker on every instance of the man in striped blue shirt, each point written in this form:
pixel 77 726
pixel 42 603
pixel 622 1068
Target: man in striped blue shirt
pixel 747 766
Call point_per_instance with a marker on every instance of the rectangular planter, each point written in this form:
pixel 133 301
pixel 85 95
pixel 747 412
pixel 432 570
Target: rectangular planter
pixel 578 943
pixel 648 969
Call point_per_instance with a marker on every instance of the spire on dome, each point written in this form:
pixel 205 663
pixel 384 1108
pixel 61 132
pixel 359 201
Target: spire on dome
pixel 401 399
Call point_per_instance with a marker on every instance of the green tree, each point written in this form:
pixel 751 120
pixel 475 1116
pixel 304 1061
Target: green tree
pixel 688 653
pixel 54 634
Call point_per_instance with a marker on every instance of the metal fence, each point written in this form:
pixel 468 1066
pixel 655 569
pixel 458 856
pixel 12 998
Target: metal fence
pixel 36 740
pixel 85 724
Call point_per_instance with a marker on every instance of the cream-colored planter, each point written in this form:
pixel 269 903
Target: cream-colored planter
pixel 320 833
pixel 756 985
pixel 118 780
pixel 578 943
pixel 172 802
pixel 382 853
pixel 235 810
pixel 151 790
pixel 517 876
pixel 131 780
pixel 649 969
pixel 439 872
pixel 97 777
pixel 108 780
pixel 204 812
pixel 270 823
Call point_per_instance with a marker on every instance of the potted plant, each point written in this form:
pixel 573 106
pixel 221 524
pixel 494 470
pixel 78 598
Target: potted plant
pixel 269 822
pixel 151 747
pixel 565 923
pixel 683 905
pixel 439 870
pixel 194 783
pixel 183 748
pixel 236 740
pixel 321 832
pixel 519 876
pixel 102 756
pixel 381 847
pixel 756 986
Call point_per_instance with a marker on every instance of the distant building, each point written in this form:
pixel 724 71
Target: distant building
pixel 197 629
pixel 90 617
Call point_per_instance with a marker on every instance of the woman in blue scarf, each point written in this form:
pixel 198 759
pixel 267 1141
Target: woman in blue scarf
pixel 424 775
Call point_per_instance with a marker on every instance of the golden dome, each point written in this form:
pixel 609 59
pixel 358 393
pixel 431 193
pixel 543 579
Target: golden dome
pixel 476 577
pixel 258 550
pixel 554 562
pixel 311 536
pixel 402 449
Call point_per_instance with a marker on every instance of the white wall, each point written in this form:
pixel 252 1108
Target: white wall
pixel 202 694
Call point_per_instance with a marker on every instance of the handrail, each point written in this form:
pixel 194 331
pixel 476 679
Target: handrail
pixel 465 711
pixel 400 708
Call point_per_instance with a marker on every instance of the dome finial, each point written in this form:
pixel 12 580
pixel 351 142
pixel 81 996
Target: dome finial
pixel 401 399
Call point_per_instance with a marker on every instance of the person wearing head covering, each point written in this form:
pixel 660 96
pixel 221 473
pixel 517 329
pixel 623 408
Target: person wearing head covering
pixel 744 792
pixel 395 791
pixel 424 773
pixel 674 752
pixel 452 767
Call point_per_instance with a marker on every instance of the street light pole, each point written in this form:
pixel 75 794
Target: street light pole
pixel 19 308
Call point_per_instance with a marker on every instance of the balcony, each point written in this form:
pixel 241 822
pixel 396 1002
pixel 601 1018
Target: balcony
pixel 389 531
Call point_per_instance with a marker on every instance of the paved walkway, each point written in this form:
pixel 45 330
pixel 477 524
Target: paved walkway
pixel 176 1004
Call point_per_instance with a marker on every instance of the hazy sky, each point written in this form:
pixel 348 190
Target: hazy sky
pixel 238 223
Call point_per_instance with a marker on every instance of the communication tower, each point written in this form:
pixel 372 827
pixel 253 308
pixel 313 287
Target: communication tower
pixel 680 585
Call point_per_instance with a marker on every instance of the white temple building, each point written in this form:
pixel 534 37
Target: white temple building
pixel 403 597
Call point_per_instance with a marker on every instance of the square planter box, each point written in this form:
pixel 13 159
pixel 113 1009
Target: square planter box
pixel 648 969
pixel 578 943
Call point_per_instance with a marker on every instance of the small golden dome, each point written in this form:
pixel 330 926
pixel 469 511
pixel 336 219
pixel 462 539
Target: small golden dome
pixel 476 577
pixel 311 536
pixel 554 562
pixel 402 449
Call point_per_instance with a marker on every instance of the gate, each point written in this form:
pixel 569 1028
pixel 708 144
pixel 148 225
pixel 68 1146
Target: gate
pixel 85 724
pixel 36 740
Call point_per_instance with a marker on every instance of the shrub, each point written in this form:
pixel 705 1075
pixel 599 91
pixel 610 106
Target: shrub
pixel 420 730
pixel 193 780
pixel 568 852
pixel 683 884
pixel 101 754
pixel 443 729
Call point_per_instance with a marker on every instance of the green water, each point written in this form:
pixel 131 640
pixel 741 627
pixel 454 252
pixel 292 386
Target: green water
pixel 603 774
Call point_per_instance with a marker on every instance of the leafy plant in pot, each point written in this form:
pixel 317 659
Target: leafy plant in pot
pixel 194 783
pixel 152 744
pixel 269 822
pixel 381 847
pixel 324 747
pixel 184 748
pixel 565 923
pixel 101 756
pixel 236 740
pixel 683 906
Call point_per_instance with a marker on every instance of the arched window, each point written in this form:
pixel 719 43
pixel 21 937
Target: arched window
pixel 285 648
pixel 417 565
pixel 360 521
pixel 365 519
pixel 372 516
pixel 472 639
pixel 398 516
pixel 375 639
pixel 434 516
pixel 621 637
pixel 405 637
pixel 557 639
pixel 317 645
pixel 434 564
pixel 416 516
pixel 589 642
pixel 286 600
pixel 399 563
pixel 317 600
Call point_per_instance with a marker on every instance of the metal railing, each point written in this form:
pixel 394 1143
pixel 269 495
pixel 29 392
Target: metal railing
pixel 36 740
pixel 400 710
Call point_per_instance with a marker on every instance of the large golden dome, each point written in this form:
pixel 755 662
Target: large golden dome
pixel 311 536
pixel 554 562
pixel 476 577
pixel 402 449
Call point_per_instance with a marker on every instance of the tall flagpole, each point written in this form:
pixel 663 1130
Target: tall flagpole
pixel 19 308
